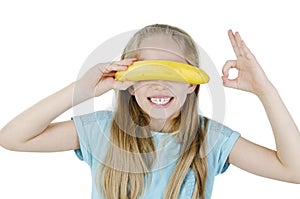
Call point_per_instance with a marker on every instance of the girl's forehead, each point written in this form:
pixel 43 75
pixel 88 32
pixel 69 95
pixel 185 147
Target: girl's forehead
pixel 160 47
pixel 158 54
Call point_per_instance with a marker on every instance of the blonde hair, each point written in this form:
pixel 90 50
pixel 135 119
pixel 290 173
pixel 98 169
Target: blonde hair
pixel 131 153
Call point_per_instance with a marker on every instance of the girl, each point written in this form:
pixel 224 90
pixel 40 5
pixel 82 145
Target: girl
pixel 155 144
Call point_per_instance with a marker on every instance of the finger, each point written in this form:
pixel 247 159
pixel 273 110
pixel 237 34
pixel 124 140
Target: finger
pixel 109 74
pixel 109 68
pixel 230 83
pixel 243 47
pixel 233 43
pixel 240 44
pixel 126 61
pixel 118 85
pixel 227 66
pixel 240 41
pixel 118 65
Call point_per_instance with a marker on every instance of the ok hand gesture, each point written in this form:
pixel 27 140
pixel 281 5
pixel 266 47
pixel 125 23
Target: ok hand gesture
pixel 251 76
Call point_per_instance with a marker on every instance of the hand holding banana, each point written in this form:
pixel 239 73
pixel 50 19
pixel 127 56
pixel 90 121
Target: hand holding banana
pixel 100 79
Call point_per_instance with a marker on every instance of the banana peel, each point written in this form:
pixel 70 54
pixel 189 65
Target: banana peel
pixel 163 70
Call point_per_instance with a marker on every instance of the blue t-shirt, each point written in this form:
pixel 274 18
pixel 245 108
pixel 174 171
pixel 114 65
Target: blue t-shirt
pixel 93 131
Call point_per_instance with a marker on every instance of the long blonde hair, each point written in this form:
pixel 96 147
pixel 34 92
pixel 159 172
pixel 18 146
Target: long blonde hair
pixel 131 153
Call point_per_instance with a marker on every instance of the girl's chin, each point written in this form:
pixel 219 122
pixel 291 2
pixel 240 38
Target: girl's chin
pixel 161 115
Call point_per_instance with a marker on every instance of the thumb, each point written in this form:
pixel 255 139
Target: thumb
pixel 230 83
pixel 118 85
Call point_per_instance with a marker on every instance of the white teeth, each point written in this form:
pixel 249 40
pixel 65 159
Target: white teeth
pixel 160 100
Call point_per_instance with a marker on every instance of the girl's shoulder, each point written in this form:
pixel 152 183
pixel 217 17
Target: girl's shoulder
pixel 94 116
pixel 93 133
pixel 93 126
pixel 215 128
pixel 219 140
pixel 100 120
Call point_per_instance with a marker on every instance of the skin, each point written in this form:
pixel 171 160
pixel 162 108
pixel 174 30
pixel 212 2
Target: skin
pixel 282 164
pixel 164 48
pixel 161 115
pixel 32 130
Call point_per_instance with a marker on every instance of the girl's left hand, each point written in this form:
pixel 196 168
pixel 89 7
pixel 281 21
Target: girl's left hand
pixel 251 76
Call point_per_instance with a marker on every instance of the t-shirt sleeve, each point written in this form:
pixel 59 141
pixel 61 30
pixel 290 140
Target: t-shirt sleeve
pixel 227 144
pixel 221 140
pixel 92 130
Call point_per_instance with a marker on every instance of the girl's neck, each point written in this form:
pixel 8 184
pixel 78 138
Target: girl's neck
pixel 158 125
pixel 164 126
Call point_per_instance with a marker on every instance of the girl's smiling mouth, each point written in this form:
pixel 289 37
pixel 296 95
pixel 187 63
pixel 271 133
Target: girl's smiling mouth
pixel 160 100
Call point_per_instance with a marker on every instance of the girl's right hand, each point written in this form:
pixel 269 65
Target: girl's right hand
pixel 100 79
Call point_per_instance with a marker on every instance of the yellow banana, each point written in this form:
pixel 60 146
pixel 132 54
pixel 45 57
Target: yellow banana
pixel 163 70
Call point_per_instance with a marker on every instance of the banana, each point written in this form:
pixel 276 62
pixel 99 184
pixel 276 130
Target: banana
pixel 163 70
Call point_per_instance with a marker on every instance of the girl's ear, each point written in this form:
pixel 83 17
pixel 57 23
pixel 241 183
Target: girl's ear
pixel 191 88
pixel 131 90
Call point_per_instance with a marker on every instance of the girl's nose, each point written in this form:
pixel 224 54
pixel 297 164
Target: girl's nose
pixel 159 84
pixel 152 84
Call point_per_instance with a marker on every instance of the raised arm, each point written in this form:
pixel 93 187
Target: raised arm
pixel 25 132
pixel 284 163
pixel 32 130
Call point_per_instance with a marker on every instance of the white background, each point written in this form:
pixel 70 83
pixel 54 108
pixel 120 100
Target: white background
pixel 43 44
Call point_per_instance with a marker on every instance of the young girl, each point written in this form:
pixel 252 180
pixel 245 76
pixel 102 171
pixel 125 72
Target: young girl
pixel 155 144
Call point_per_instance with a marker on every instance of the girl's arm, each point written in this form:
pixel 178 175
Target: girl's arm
pixel 284 163
pixel 32 130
